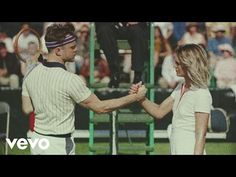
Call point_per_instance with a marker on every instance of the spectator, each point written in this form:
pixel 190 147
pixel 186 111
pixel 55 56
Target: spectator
pixel 8 41
pixel 84 70
pixel 101 71
pixel 178 32
pixel 9 68
pixel 226 25
pixel 225 71
pixel 166 28
pixel 192 36
pixel 169 77
pixel 162 49
pixel 83 40
pixel 219 39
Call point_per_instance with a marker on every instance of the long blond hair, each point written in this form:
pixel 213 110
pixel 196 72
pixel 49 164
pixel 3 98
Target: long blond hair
pixel 194 59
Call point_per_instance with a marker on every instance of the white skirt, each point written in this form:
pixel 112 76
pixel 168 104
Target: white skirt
pixel 182 142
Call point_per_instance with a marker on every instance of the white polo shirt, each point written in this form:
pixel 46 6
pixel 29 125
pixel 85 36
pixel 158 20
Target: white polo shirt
pixel 192 101
pixel 54 93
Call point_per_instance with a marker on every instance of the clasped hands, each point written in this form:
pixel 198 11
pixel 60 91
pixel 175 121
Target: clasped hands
pixel 138 89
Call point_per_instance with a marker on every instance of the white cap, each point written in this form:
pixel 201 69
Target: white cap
pixel 226 47
pixel 218 28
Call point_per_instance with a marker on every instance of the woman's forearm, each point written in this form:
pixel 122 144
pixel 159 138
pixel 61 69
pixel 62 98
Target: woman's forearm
pixel 199 144
pixel 151 108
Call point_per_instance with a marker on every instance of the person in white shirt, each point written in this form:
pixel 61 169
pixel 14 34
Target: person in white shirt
pixel 225 70
pixel 190 102
pixel 169 77
pixel 192 36
pixel 166 28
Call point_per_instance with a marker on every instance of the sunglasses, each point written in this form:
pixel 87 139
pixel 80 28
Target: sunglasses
pixel 225 51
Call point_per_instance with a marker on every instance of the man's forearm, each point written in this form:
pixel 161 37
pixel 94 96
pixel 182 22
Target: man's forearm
pixel 27 106
pixel 113 104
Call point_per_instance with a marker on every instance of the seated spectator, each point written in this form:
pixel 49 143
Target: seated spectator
pixel 101 71
pixel 83 41
pixel 178 32
pixel 9 68
pixel 225 71
pixel 84 71
pixel 162 49
pixel 7 40
pixel 166 28
pixel 219 39
pixel 192 36
pixel 226 25
pixel 169 77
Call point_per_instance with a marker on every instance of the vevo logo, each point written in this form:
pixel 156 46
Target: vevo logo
pixel 22 143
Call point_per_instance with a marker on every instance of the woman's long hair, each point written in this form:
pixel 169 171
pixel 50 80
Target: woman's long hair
pixel 160 41
pixel 194 60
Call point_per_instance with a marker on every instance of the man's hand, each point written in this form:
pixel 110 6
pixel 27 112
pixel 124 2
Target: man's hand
pixel 134 88
pixel 138 89
pixel 141 93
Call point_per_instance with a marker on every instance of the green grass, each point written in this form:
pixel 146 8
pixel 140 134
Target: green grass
pixel 221 148
pixel 161 148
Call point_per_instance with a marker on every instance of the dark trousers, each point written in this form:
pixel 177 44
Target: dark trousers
pixel 107 35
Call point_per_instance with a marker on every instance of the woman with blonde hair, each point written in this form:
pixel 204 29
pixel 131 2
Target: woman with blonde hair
pixel 190 102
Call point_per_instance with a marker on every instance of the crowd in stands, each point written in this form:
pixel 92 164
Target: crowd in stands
pixel 218 38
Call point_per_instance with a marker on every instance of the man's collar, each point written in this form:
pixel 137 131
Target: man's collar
pixel 53 64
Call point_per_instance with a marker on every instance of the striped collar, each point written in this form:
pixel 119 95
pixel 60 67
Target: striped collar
pixel 53 64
